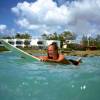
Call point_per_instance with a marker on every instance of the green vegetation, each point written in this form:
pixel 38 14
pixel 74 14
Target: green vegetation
pixel 86 42
pixel 66 35
pixel 23 36
pixel 91 42
pixel 19 36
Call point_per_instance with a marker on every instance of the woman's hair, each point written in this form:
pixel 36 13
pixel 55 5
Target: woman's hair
pixel 54 44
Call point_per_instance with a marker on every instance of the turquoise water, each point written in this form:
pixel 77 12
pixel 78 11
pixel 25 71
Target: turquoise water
pixel 24 80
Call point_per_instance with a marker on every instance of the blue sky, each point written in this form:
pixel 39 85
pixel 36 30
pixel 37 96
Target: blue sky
pixel 6 15
pixel 47 16
pixel 8 18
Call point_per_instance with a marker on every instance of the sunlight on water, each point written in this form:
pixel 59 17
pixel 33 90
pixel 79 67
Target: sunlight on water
pixel 24 80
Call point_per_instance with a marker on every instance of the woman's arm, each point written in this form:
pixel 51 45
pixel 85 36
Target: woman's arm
pixel 45 58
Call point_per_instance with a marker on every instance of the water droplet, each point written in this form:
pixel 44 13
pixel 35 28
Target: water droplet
pixel 73 86
pixel 83 87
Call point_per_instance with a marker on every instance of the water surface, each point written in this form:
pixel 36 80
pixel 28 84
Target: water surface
pixel 24 80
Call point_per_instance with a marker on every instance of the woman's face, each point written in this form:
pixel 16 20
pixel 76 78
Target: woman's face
pixel 52 52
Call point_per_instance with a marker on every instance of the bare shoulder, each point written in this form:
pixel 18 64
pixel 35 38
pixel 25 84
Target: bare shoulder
pixel 61 57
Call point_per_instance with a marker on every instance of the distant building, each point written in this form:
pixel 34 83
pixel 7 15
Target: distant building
pixel 48 42
pixel 37 42
pixel 65 44
pixel 71 42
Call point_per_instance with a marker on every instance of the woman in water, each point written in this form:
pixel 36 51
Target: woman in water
pixel 54 56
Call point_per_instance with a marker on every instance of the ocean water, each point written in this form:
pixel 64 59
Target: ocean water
pixel 24 80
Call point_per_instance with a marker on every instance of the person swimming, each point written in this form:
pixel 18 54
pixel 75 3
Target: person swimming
pixel 54 56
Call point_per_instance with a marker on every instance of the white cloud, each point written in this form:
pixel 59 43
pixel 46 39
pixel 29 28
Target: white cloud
pixel 81 16
pixel 86 16
pixel 41 15
pixel 5 31
pixel 2 27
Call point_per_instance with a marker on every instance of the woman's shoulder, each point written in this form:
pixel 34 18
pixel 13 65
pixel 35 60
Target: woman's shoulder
pixel 61 55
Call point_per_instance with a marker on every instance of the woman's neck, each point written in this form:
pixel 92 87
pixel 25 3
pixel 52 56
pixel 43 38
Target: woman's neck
pixel 54 57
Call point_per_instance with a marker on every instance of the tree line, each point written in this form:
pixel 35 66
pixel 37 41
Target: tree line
pixel 91 41
pixel 62 37
pixel 19 36
pixel 66 35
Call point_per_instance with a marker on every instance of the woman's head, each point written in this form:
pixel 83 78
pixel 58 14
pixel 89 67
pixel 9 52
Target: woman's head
pixel 53 51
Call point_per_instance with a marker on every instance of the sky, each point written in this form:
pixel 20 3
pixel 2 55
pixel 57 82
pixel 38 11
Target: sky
pixel 48 16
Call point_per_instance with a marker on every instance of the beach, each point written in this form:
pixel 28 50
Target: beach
pixel 70 53
pixel 67 53
pixel 84 53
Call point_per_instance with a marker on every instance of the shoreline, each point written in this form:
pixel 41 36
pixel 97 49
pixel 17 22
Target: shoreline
pixel 86 53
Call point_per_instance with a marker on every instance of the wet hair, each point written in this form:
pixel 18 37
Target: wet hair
pixel 54 44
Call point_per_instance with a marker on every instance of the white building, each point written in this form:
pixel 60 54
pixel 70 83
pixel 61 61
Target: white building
pixel 65 44
pixel 71 41
pixel 48 42
pixel 31 42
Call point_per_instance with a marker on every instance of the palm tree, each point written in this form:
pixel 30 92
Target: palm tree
pixel 26 36
pixel 23 36
pixel 69 35
pixel 44 36
pixel 18 35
